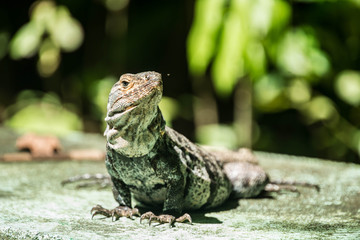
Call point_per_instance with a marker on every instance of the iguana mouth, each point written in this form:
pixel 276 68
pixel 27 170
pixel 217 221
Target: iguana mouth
pixel 127 109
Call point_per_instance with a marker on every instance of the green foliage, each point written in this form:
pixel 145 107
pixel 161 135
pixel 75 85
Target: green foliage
pixel 347 86
pixel 298 91
pixel 269 93
pixel 201 44
pixel 320 108
pixel 44 115
pixel 217 135
pixel 298 54
pixel 26 41
pixel 250 30
pixel 229 62
pixel 286 62
pixel 300 57
pixel 98 93
pixel 170 109
pixel 239 35
pixel 61 31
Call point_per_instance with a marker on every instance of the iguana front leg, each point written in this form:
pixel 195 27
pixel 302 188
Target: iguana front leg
pixel 122 195
pixel 173 203
pixel 175 187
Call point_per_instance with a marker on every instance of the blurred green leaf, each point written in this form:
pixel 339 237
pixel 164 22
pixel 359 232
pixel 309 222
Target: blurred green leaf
pixel 42 13
pixel 229 63
pixel 269 93
pixel 281 14
pixel 298 91
pixel 260 16
pixel 60 29
pixel 217 135
pixel 49 58
pixel 26 41
pixel 240 50
pixel 98 94
pixel 170 109
pixel 320 108
pixel 66 31
pixel 299 54
pixel 347 86
pixel 255 59
pixel 202 38
pixel 357 2
pixel 44 116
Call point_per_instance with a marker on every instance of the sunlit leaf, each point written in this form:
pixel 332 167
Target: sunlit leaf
pixel 26 41
pixel 268 15
pixel 66 31
pixel 260 16
pixel 255 59
pixel 169 108
pixel 239 51
pixel 299 54
pixel 217 135
pixel 347 86
pixel 44 115
pixel 269 93
pixel 320 108
pixel 298 91
pixel 281 14
pixel 229 63
pixel 202 39
pixel 56 21
pixel 98 94
pixel 357 2
pixel 43 13
pixel 49 58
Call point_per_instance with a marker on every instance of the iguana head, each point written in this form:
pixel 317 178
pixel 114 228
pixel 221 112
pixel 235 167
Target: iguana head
pixel 132 111
pixel 134 89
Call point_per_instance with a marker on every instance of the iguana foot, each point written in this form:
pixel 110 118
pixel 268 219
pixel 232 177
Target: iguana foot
pixel 165 218
pixel 116 213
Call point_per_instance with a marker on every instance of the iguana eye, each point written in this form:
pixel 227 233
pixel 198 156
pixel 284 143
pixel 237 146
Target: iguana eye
pixel 125 84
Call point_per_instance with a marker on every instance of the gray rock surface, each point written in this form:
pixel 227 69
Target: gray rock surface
pixel 34 205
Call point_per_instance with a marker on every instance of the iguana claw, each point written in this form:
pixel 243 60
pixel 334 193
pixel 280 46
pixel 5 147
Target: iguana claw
pixel 165 218
pixel 116 213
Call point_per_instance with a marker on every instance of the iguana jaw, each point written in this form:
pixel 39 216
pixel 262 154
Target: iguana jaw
pixel 125 110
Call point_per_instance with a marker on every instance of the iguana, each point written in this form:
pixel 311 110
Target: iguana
pixel 159 167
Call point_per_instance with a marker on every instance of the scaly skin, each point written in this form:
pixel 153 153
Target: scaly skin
pixel 160 167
